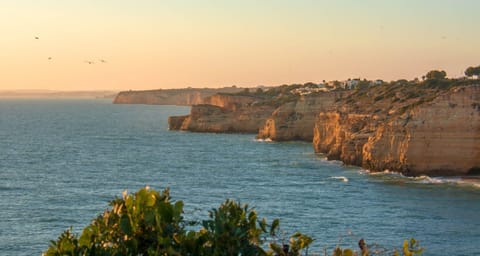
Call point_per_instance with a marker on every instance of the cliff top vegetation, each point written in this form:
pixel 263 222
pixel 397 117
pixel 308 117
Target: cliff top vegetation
pixel 396 97
pixel 369 96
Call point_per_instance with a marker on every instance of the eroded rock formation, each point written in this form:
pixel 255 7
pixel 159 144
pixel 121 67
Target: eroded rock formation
pixel 295 120
pixel 225 114
pixel 439 135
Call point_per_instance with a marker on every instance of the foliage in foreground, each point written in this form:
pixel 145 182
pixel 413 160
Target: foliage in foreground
pixel 149 223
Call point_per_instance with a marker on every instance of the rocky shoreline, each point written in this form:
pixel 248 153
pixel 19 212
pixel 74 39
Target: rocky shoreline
pixel 423 130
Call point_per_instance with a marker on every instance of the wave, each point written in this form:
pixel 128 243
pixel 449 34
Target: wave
pixel 385 172
pixel 341 178
pixel 468 181
pixel 264 140
pixel 327 161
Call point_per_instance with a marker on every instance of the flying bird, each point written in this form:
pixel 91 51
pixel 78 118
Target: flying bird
pixel 89 62
pixel 37 37
pixel 49 58
pixel 103 61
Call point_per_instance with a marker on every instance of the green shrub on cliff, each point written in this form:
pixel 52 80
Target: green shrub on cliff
pixel 149 223
pixel 143 223
pixel 436 75
pixel 473 71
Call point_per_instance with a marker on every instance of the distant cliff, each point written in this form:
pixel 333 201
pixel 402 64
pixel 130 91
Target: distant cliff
pixel 415 132
pixel 188 96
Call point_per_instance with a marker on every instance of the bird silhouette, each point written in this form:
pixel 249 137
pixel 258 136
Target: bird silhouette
pixel 89 62
pixel 103 61
pixel 37 37
pixel 49 58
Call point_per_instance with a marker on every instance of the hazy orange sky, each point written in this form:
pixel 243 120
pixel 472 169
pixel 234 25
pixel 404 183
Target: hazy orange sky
pixel 168 44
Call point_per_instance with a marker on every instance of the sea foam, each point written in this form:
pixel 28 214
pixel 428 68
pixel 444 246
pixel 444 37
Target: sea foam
pixel 341 178
pixel 470 181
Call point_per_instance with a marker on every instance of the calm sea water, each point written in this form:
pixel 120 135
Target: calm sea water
pixel 61 161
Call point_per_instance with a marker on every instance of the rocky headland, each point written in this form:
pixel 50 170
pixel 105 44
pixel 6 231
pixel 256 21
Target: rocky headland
pixel 224 114
pixel 416 128
pixel 187 96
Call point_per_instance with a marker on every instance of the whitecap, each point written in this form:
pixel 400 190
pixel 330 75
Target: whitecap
pixel 341 178
pixel 383 173
pixel 264 140
pixel 470 181
pixel 424 179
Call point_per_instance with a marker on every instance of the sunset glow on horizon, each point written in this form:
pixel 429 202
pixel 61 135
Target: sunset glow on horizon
pixel 148 44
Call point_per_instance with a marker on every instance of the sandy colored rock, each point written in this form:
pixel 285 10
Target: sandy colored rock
pixel 295 120
pixel 230 114
pixel 188 96
pixel 436 137
pixel 229 102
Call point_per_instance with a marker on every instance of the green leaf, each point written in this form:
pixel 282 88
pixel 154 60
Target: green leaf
pixel 149 218
pixel 263 225
pixel 125 225
pixel 273 228
pixel 151 200
pixel 277 248
pixel 178 208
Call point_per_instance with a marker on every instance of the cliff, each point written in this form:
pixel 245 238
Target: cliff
pixel 416 128
pixel 431 131
pixel 188 96
pixel 230 102
pixel 224 114
pixel 295 120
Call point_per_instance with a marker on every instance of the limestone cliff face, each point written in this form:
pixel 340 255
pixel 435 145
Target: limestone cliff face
pixel 341 136
pixel 225 114
pixel 229 102
pixel 189 96
pixel 295 120
pixel 436 137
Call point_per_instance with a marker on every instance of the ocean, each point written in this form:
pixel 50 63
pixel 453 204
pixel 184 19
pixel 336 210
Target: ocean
pixel 62 161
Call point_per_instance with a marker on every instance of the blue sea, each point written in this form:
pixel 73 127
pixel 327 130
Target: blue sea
pixel 62 161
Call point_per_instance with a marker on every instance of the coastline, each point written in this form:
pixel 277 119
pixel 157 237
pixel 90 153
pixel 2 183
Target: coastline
pixel 414 129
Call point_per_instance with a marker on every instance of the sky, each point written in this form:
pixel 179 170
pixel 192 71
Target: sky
pixel 150 44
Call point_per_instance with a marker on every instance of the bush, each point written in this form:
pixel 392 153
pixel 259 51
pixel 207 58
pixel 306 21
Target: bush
pixel 143 223
pixel 436 75
pixel 149 223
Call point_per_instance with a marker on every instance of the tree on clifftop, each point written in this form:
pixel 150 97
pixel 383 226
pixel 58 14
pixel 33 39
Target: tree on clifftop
pixel 473 71
pixel 436 75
